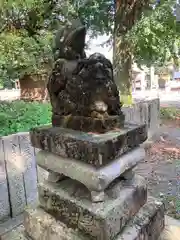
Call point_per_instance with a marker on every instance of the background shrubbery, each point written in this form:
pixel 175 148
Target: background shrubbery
pixel 170 113
pixel 20 116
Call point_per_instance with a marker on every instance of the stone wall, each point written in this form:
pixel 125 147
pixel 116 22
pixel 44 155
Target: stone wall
pixel 144 111
pixel 18 173
pixel 18 177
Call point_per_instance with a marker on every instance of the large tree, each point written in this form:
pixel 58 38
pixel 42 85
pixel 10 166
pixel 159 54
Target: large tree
pixel 126 16
pixel 144 29
pixel 27 26
pixel 26 32
pixel 156 36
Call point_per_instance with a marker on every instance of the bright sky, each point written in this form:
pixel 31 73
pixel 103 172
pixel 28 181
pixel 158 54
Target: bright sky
pixel 94 46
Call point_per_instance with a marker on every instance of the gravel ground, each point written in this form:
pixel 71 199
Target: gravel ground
pixel 161 168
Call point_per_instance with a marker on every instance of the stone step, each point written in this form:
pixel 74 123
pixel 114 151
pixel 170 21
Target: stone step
pixel 10 224
pixel 93 148
pixel 70 202
pixel 94 179
pixel 147 224
pixel 15 234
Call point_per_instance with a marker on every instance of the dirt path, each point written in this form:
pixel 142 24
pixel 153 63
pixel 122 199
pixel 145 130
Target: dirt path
pixel 161 168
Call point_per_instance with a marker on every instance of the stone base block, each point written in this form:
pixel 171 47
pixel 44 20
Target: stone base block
pixel 70 202
pixel 94 179
pixel 95 149
pixel 40 225
pixel 147 224
pixel 16 234
pixel 88 124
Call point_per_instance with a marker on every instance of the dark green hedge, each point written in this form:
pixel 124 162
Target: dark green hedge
pixel 20 116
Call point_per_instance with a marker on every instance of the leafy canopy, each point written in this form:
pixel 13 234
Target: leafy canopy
pixel 27 28
pixel 156 37
pixel 25 37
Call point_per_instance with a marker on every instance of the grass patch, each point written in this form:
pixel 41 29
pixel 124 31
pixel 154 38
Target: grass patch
pixel 172 204
pixel 170 113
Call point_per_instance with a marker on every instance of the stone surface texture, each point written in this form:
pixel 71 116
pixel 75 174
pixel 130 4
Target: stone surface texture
pixel 29 171
pixel 147 224
pixel 15 168
pixel 55 177
pixel 11 224
pixel 82 90
pixel 41 225
pixel 4 198
pixel 92 178
pixel 16 234
pixel 18 176
pixel 95 149
pixel 144 111
pixel 70 202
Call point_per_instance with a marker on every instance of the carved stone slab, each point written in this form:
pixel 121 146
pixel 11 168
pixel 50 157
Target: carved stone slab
pixel 95 149
pixel 15 169
pixel 30 171
pixel 94 179
pixel 148 223
pixel 41 225
pixel 4 199
pixel 69 202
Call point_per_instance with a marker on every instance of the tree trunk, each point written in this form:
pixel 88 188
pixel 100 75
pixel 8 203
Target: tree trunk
pixel 122 69
pixel 127 13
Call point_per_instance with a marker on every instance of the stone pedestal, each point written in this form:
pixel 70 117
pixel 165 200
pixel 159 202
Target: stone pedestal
pixel 91 191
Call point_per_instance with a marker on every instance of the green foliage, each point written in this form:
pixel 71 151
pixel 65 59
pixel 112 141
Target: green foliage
pixel 155 35
pixel 97 15
pixel 25 37
pixel 153 38
pixel 20 116
pixel 20 54
pixel 170 113
pixel 27 28
pixel 30 15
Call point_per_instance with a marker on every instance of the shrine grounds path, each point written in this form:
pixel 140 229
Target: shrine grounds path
pixel 161 167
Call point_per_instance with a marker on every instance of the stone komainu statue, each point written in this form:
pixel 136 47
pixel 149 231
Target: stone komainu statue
pixel 82 90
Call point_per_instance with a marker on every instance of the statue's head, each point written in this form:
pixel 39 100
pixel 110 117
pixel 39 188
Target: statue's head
pixel 70 41
pixel 95 85
pixel 102 68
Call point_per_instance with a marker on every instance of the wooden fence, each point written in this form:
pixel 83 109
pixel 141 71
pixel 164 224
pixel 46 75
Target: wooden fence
pixel 18 172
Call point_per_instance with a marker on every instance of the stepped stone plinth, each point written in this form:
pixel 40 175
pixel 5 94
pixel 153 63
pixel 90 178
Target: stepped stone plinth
pixel 90 199
pixel 92 192
pixel 70 202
